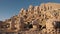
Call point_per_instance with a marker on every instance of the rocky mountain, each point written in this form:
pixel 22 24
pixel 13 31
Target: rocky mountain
pixel 43 18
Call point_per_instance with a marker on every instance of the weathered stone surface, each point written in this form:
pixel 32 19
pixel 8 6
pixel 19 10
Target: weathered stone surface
pixel 36 18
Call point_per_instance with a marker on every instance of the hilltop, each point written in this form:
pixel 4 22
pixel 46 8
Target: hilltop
pixel 42 18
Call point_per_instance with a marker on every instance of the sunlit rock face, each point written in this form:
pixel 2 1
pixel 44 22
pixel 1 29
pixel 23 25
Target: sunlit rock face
pixel 44 18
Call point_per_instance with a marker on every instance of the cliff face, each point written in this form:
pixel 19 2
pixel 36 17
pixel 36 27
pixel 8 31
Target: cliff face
pixel 42 18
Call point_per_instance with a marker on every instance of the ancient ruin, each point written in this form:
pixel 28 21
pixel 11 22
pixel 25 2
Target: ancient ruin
pixel 42 19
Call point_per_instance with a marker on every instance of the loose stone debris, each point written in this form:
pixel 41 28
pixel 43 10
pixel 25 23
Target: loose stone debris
pixel 42 19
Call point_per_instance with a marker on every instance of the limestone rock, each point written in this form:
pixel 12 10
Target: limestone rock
pixel 40 18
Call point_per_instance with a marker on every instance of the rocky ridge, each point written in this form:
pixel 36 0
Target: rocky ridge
pixel 43 18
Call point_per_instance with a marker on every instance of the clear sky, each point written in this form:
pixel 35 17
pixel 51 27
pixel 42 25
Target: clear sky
pixel 9 8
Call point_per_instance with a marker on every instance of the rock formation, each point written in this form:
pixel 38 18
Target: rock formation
pixel 43 18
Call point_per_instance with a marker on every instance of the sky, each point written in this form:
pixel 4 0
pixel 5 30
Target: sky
pixel 9 8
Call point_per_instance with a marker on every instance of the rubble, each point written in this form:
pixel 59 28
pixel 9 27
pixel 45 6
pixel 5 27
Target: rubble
pixel 36 18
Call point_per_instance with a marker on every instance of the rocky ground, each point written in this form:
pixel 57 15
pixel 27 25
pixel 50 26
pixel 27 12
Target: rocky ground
pixel 42 19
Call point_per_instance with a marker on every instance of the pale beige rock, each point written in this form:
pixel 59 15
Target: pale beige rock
pixel 43 15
